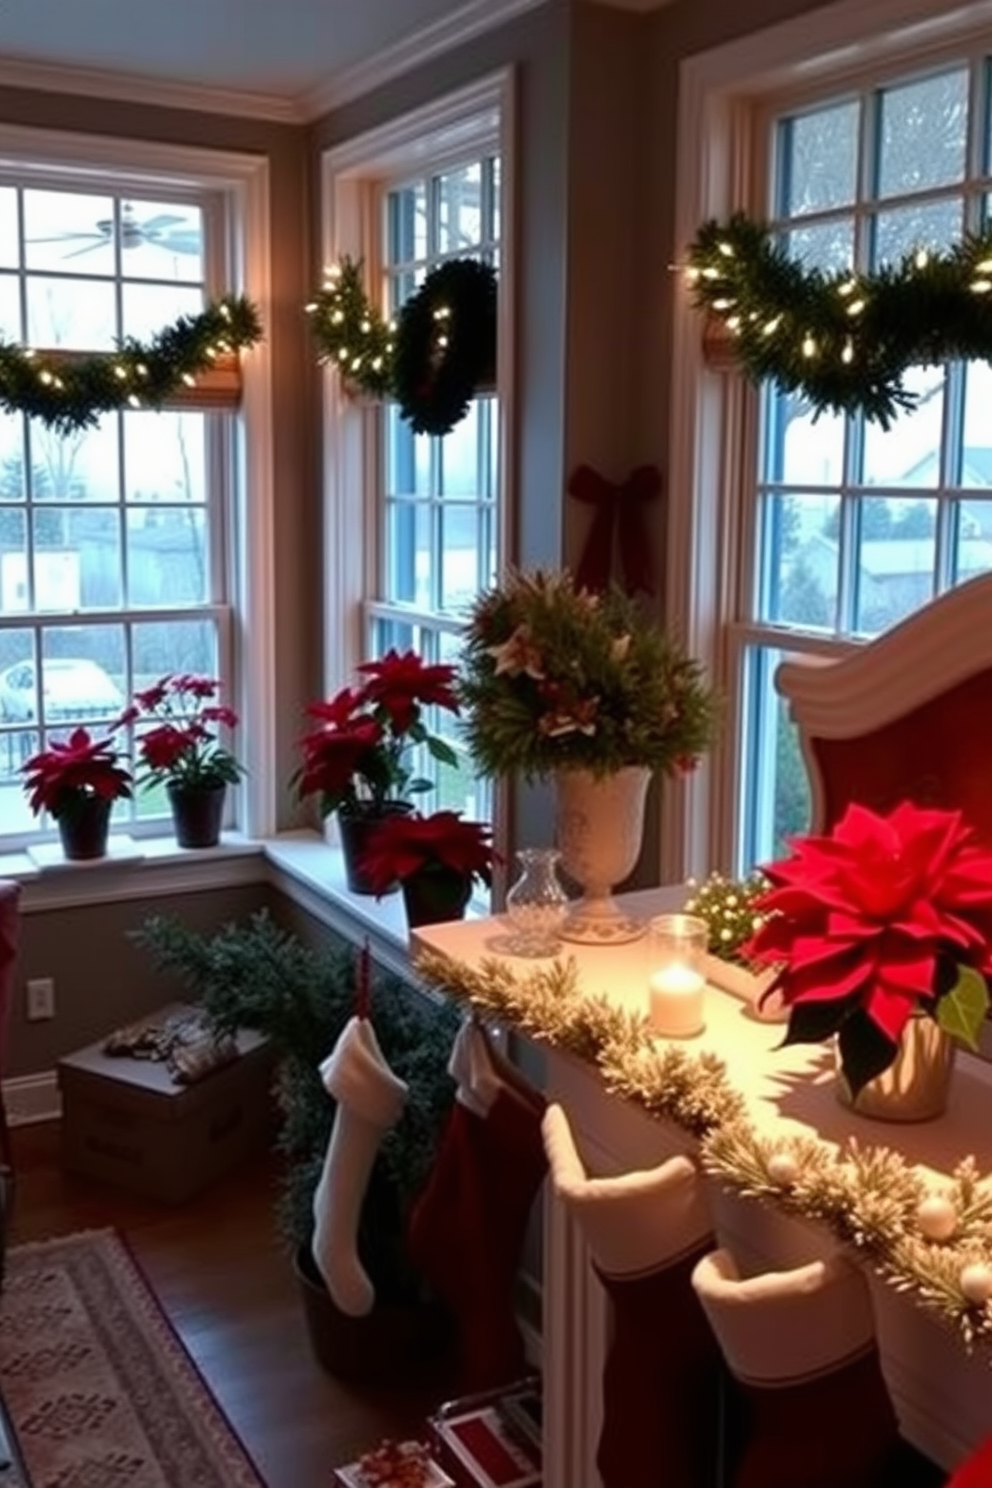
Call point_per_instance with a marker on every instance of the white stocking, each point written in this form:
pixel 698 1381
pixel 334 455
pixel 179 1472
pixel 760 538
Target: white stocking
pixel 370 1099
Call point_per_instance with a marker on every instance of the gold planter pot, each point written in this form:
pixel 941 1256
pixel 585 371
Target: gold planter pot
pixel 916 1085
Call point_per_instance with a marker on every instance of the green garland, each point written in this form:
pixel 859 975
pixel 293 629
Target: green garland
pixel 432 359
pixel 933 1241
pixel 68 394
pixel 843 341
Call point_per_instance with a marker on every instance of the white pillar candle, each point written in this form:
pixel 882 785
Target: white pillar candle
pixel 677 1000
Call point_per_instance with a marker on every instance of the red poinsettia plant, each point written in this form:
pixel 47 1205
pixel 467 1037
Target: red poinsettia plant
pixel 357 757
pixel 401 846
pixel 182 748
pixel 63 777
pixel 883 917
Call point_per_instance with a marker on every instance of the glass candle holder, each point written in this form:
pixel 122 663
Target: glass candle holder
pixel 677 974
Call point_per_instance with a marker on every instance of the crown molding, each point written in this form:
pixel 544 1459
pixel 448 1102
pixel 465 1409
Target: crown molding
pixel 462 25
pixel 134 88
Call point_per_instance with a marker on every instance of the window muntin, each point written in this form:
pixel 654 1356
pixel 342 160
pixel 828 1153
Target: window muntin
pixel 112 539
pixel 437 521
pixel 855 526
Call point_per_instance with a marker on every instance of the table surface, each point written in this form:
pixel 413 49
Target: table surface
pixel 788 1089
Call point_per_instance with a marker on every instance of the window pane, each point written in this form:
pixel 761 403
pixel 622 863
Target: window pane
pixel 409 577
pixel 826 245
pixel 776 794
pixel 10 308
pixel 167 556
pixel 173 646
pixel 460 210
pixel 896 561
pixel 974 539
pixel 408 457
pixel 77 314
pixel 908 452
pixel 460 549
pixel 161 240
pixel 89 557
pixel 10 256
pixel 76 467
pixel 146 308
pixel 407 224
pixel 69 230
pixel 13 486
pixel 800 561
pixel 15 591
pixel 18 706
pixel 935 225
pixel 798 448
pixel 83 674
pixel 459 458
pixel 976 463
pixel 165 456
pixel 923 132
pixel 818 160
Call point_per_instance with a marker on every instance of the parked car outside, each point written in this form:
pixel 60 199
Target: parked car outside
pixel 73 687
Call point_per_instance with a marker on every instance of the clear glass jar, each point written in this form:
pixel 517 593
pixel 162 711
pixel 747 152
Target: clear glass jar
pixel 536 905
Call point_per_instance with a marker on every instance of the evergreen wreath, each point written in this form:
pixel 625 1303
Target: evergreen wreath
pixel 843 340
pixel 68 394
pixel 432 359
pixel 445 344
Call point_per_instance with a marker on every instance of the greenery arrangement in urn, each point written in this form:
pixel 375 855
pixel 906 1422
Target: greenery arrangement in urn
pixel 554 676
pixel 255 975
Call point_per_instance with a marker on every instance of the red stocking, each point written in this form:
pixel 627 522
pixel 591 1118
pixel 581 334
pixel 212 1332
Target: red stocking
pixel 660 1383
pixel 467 1228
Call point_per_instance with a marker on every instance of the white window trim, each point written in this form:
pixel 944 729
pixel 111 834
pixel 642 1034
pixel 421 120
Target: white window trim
pixel 244 179
pixel 717 172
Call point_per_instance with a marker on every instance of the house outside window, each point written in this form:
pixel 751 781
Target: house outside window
pixel 833 529
pixel 116 541
pixel 418 521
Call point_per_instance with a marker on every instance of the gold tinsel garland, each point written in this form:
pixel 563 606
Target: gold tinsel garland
pixel 935 1243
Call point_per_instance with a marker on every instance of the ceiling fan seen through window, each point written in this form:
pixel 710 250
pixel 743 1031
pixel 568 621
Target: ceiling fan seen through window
pixel 170 231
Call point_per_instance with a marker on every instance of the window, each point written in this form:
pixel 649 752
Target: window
pixel 832 529
pixel 116 541
pixel 430 509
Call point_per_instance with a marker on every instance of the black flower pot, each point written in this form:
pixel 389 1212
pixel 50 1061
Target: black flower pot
pixel 84 828
pixel 434 895
pixel 392 1342
pixel 356 828
pixel 197 813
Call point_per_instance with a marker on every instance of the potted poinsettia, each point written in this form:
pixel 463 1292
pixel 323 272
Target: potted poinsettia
pixel 77 781
pixel 178 745
pixel 358 758
pixel 882 934
pixel 436 860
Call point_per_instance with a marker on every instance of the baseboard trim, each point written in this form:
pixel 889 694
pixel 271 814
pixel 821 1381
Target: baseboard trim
pixel 30 1098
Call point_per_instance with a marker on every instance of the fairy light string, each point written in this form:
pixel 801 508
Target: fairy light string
pixel 70 393
pixel 842 341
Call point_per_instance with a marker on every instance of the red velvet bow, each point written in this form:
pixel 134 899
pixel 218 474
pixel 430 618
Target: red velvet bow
pixel 619 511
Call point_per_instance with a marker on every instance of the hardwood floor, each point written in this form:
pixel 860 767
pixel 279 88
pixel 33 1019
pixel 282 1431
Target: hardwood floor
pixel 218 1269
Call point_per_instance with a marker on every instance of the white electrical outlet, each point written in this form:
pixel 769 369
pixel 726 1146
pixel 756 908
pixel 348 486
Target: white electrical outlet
pixel 40 999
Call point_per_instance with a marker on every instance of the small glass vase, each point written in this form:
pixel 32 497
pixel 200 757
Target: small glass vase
pixel 536 905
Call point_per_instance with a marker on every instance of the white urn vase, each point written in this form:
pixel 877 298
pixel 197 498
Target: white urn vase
pixel 600 828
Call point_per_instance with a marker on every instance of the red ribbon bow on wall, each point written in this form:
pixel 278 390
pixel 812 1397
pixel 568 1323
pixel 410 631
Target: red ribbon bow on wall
pixel 619 514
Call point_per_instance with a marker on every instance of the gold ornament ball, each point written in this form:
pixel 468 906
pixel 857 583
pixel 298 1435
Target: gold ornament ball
pixel 783 1168
pixel 975 1281
pixel 936 1217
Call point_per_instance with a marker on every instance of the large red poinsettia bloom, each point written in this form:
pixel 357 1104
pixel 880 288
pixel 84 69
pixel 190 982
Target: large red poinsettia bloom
pixel 61 776
pixel 403 684
pixel 862 921
pixel 403 845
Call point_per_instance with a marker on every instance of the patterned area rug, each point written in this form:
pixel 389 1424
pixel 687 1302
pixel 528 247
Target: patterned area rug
pixel 101 1392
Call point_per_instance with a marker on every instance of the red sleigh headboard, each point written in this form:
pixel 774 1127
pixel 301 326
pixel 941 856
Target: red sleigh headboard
pixel 907 716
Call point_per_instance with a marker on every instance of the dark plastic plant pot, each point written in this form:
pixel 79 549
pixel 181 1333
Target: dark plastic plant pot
pixel 84 829
pixel 356 828
pixel 390 1343
pixel 197 813
pixel 432 896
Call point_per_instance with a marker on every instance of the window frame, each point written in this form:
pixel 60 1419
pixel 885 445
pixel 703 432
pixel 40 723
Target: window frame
pixel 727 97
pixel 241 183
pixel 355 178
